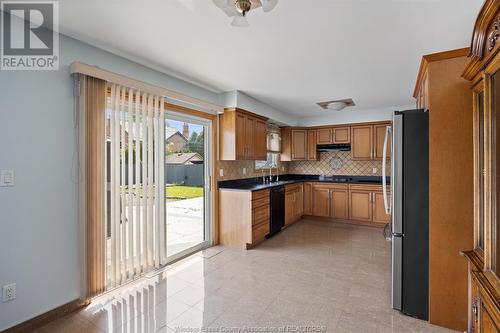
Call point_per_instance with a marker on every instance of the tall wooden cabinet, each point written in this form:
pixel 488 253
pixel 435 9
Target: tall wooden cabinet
pixel 483 71
pixel 242 135
pixel 441 89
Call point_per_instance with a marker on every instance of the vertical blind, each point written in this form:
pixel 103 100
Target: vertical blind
pixel 135 209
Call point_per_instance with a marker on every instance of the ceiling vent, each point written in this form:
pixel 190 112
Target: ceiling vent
pixel 337 105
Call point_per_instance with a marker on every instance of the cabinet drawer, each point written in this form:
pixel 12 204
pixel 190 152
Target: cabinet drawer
pixel 366 187
pixel 259 232
pixel 260 215
pixel 331 186
pixel 260 202
pixel 293 187
pixel 260 194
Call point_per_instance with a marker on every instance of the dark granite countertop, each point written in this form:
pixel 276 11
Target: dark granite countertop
pixel 255 184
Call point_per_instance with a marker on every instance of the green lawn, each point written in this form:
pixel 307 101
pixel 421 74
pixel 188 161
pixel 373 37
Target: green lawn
pixel 180 192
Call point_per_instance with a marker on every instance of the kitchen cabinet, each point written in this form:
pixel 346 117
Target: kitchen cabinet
pixel 330 200
pixel 299 145
pixel 249 138
pixel 360 202
pixel 325 136
pixel 362 142
pixel 321 201
pixel 341 135
pixel 379 132
pixel 308 198
pixel 294 144
pixel 260 140
pixel 483 255
pixel 339 208
pixel 366 203
pixel 367 142
pixel 334 135
pixel 294 204
pixel 312 154
pixel 242 135
pixel 379 214
pixel 244 217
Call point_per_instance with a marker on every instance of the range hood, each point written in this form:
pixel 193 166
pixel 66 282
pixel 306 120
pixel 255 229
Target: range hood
pixel 333 147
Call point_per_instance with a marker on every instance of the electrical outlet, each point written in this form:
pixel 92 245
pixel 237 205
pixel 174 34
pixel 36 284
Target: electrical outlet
pixel 9 292
pixel 6 178
pixel 374 170
pixel 244 171
pixel 221 172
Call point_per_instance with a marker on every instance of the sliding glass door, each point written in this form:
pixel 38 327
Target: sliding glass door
pixel 187 183
pixel 157 171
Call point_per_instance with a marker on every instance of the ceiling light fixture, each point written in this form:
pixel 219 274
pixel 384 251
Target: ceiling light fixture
pixel 337 105
pixel 238 9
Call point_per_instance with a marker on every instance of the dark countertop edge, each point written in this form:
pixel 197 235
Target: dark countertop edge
pixel 245 185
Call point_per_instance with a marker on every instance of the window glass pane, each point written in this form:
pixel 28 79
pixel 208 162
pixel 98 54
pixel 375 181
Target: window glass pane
pixel 271 162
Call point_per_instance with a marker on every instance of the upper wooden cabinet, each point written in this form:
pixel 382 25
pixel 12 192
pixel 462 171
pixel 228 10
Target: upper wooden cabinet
pixel 242 135
pixel 332 135
pixel 341 135
pixel 260 139
pixel 362 142
pixel 379 133
pixel 299 145
pixel 325 136
pixel 367 142
pixel 312 154
pixel 294 144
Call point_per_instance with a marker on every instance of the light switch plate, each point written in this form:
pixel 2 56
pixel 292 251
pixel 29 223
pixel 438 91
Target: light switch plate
pixel 244 171
pixel 221 172
pixel 6 178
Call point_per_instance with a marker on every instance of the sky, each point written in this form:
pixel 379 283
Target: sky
pixel 179 124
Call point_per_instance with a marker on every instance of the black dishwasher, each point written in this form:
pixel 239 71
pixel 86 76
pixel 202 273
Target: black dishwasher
pixel 277 220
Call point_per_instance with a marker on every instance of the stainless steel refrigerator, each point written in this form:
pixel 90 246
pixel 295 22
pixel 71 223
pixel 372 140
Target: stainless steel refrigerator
pixel 410 211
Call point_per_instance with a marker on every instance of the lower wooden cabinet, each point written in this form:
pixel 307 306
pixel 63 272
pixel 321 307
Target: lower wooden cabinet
pixel 320 201
pixel 360 205
pixel 243 217
pixel 339 208
pixel 379 214
pixel 330 200
pixel 308 198
pixel 294 203
pixel 366 203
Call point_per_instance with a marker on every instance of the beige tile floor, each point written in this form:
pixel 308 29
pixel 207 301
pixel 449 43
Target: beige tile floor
pixel 319 276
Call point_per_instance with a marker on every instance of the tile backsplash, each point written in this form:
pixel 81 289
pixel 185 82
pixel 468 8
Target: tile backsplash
pixel 234 170
pixel 347 166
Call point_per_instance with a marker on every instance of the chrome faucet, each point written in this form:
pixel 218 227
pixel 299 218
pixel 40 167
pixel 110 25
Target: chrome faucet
pixel 270 174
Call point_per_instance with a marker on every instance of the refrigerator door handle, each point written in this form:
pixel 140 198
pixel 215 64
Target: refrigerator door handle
pixel 388 132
